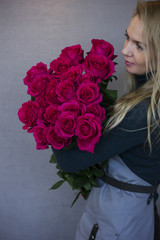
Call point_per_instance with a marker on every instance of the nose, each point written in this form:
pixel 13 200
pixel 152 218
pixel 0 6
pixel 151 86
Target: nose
pixel 127 49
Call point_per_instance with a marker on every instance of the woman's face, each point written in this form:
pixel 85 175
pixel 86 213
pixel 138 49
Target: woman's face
pixel 134 50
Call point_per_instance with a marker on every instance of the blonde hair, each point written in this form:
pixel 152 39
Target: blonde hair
pixel 149 13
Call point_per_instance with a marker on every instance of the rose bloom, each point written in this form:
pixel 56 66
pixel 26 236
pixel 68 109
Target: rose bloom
pixel 55 139
pixel 42 118
pixel 99 65
pixel 73 74
pixel 38 86
pixel 51 114
pixel 102 47
pixel 89 78
pixel 42 101
pixel 51 96
pixel 55 77
pixel 97 110
pixel 66 124
pixel 88 132
pixel 28 114
pixel 74 53
pixel 39 133
pixel 88 93
pixel 65 91
pixel 60 65
pixel 73 106
pixel 35 71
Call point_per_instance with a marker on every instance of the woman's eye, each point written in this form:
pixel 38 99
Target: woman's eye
pixel 126 35
pixel 139 47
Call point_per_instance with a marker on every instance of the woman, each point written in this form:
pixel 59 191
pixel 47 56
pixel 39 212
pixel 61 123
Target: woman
pixel 117 210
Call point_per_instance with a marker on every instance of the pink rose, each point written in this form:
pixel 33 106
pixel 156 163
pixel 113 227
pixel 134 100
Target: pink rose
pixel 73 106
pixel 60 65
pixel 38 86
pixel 89 78
pixel 97 110
pixel 41 118
pixel 101 47
pixel 56 140
pixel 51 114
pixel 66 124
pixel 35 71
pixel 28 114
pixel 42 101
pixel 74 53
pixel 88 132
pixel 39 133
pixel 51 96
pixel 99 65
pixel 88 93
pixel 73 74
pixel 65 91
pixel 55 77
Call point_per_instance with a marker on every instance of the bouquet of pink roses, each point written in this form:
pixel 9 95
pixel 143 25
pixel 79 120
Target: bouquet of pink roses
pixel 69 103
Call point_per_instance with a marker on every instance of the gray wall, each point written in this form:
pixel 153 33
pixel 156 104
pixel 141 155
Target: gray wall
pixel 34 31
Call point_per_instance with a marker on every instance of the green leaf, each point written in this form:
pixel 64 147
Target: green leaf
pixel 98 172
pixel 53 159
pixel 87 173
pixel 92 181
pixel 87 186
pixel 103 164
pixel 57 184
pixel 76 182
pixel 32 98
pixel 115 77
pixel 110 94
pixel 85 193
pixel 75 199
pixel 62 174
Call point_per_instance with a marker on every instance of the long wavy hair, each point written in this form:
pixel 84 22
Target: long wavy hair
pixel 149 13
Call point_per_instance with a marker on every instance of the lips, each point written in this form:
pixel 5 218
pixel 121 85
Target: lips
pixel 129 64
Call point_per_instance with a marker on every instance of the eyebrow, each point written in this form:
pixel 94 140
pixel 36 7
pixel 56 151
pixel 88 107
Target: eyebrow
pixel 137 42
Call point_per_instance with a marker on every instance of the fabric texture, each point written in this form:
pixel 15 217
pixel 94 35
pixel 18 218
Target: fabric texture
pixel 119 214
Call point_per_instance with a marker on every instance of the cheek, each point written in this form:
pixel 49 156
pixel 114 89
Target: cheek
pixel 141 65
pixel 141 60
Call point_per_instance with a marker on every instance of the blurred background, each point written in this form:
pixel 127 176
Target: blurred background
pixel 35 31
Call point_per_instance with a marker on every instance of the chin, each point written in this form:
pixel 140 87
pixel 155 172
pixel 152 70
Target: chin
pixel 134 72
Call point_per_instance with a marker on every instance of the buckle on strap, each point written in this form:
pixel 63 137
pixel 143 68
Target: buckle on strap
pixel 93 232
pixel 129 187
